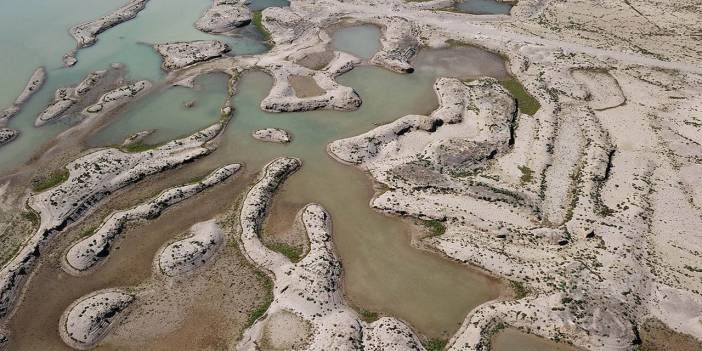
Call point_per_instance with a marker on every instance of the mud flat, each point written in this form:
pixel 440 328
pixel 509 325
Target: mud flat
pixel 86 33
pixel 95 248
pixel 89 319
pixel 224 16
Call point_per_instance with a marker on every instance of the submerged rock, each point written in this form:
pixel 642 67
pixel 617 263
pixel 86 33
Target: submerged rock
pixel 274 135
pixel 33 85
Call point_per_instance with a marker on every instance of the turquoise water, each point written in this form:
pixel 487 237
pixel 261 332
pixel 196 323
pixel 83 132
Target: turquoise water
pixel 484 7
pixel 43 38
pixel 165 112
pixel 362 41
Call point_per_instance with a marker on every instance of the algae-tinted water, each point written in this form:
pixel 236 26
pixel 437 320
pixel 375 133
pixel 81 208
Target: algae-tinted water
pixel 484 7
pixel 362 40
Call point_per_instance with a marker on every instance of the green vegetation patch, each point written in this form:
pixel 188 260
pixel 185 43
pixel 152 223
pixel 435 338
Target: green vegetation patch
pixel 527 104
pixel 527 174
pixel 257 20
pixel 31 216
pixel 368 316
pixel 43 182
pixel 519 289
pixel 259 311
pixel 436 227
pixel 291 252
pixel 435 344
pixel 139 147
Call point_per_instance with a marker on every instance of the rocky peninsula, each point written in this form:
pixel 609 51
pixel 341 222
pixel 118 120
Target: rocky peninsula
pixel 89 319
pixel 86 33
pixel 98 93
pixel 33 85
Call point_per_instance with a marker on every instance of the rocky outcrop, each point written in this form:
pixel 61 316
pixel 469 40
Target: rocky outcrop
pixel 88 320
pixel 282 97
pixel 118 97
pixel 33 85
pixel 224 16
pixel 274 135
pixel 400 44
pixel 310 289
pixel 188 254
pixel 7 135
pixel 86 33
pixel 94 248
pixel 91 179
pixel 182 54
pixel 471 126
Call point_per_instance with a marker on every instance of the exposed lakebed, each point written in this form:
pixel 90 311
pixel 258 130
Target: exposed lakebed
pixel 383 272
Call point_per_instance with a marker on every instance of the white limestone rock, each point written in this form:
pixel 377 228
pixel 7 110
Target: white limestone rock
pixel 224 16
pixel 88 320
pixel 86 33
pixel 188 254
pixel 181 54
pixel 7 135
